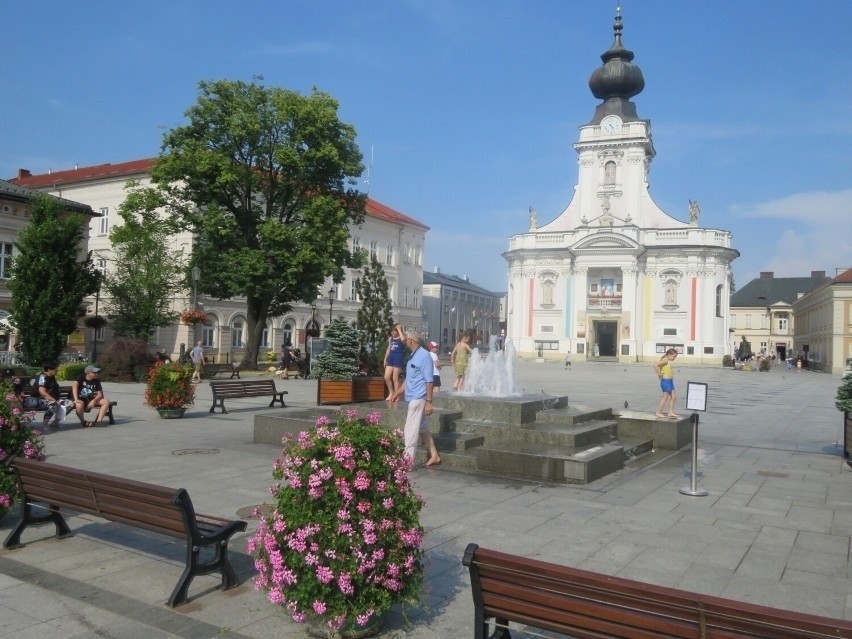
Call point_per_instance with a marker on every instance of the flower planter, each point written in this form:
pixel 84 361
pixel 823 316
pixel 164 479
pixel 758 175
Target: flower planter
pixel 335 391
pixel 370 389
pixel 171 413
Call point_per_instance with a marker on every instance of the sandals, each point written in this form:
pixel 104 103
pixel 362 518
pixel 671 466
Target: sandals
pixel 88 424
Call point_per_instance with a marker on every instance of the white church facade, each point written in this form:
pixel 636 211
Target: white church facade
pixel 613 276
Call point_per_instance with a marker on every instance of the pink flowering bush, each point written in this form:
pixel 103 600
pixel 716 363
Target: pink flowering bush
pixel 344 541
pixel 17 439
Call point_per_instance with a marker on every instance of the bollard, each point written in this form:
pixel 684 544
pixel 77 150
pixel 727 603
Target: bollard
pixel 693 488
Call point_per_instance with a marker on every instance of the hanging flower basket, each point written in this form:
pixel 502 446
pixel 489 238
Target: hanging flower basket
pixel 95 321
pixel 190 317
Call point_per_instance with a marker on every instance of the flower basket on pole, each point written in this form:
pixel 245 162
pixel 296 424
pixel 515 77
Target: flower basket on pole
pixel 190 317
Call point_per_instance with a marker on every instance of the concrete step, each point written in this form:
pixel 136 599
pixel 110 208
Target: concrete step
pixel 552 463
pixel 552 434
pixel 573 414
pixel 457 441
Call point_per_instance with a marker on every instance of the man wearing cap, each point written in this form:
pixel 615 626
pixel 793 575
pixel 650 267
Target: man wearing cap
pixel 436 365
pixel 87 392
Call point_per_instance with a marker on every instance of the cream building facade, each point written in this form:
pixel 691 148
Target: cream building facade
pixel 397 241
pixel 614 276
pixel 824 325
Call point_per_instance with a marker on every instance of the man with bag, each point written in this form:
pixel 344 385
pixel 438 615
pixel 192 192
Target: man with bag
pixel 47 389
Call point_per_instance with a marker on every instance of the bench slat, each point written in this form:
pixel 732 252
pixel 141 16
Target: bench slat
pixel 245 388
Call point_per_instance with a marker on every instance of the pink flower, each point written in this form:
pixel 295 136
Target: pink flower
pixel 324 574
pixel 373 418
pixel 319 607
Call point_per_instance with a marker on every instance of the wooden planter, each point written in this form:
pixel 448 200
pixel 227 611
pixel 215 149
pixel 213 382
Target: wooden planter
pixel 847 437
pixel 350 391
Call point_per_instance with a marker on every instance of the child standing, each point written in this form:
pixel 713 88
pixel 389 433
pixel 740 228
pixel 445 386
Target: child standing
pixel 665 372
pixel 459 359
pixel 436 365
pixel 394 356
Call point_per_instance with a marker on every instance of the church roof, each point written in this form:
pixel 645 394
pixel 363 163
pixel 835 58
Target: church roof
pixel 768 290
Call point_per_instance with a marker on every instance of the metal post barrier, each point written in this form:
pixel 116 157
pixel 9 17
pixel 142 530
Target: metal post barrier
pixel 693 488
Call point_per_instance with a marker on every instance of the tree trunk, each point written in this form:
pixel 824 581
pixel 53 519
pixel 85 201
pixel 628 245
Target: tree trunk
pixel 257 309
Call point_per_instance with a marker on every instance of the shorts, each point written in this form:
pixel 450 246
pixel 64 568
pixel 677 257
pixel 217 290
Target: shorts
pixel 667 384
pixel 436 381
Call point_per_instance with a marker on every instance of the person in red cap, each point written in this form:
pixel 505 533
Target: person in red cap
pixel 436 364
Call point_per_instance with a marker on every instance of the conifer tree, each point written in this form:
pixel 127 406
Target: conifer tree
pixel 843 400
pixel 374 316
pixel 340 359
pixel 49 280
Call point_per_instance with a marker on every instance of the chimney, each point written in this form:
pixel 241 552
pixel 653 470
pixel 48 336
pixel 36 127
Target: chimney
pixel 437 270
pixel 465 278
pixel 23 173
pixel 820 274
pixel 767 275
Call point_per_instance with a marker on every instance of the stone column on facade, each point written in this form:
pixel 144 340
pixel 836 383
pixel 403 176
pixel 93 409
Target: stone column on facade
pixel 580 308
pixel 629 308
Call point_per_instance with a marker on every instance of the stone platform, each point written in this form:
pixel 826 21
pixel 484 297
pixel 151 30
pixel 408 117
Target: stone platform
pixel 540 437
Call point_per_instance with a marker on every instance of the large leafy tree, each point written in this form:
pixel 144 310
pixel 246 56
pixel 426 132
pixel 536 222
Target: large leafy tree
pixel 49 280
pixel 374 315
pixel 146 273
pixel 265 179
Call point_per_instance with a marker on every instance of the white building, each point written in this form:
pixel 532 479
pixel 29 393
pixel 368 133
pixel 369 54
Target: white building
pixel 394 238
pixel 613 275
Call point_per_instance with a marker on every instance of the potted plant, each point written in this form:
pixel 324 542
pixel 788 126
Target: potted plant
pixel 336 366
pixel 17 438
pixel 170 389
pixel 843 402
pixel 95 321
pixel 190 317
pixel 343 542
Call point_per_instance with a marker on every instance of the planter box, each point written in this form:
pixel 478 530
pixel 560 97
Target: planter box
pixel 350 391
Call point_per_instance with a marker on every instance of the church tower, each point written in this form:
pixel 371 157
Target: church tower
pixel 613 276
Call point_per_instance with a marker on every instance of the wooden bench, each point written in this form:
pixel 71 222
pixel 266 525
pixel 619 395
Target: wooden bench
pixel 163 510
pixel 211 370
pixel 245 388
pixel 582 604
pixel 65 393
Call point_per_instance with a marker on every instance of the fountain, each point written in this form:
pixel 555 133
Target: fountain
pixel 494 375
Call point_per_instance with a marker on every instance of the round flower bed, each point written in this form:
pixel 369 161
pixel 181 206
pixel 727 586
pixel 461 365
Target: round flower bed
pixel 343 543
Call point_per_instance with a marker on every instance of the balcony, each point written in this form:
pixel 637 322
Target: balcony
pixel 595 301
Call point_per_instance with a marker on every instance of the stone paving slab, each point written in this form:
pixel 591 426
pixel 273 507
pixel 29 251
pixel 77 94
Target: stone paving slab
pixel 775 529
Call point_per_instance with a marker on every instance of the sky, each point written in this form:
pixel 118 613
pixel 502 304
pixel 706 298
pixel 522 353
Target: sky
pixel 467 110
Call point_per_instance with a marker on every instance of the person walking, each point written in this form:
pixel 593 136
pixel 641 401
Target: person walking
pixel 436 366
pixel 459 359
pixel 87 393
pixel 197 355
pixel 394 356
pixel 665 373
pixel 418 388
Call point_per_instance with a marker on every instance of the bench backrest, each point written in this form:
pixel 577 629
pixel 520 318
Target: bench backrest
pixel 585 604
pixel 156 508
pixel 243 386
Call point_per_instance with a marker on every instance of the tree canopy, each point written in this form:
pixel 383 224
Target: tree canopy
pixel 146 273
pixel 265 179
pixel 374 314
pixel 49 280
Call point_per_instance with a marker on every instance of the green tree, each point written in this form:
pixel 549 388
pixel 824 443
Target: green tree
pixel 146 273
pixel 340 359
pixel 374 315
pixel 260 176
pixel 49 280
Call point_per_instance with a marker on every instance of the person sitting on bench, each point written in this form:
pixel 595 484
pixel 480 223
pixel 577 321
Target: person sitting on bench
pixel 87 392
pixel 48 392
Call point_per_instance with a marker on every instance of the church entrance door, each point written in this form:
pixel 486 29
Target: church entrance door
pixel 605 333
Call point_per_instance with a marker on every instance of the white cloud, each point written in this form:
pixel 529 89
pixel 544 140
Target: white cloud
pixel 814 232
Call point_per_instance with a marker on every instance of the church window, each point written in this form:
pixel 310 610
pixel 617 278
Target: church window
pixel 719 301
pixel 609 173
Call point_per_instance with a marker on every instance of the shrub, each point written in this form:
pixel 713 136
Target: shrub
pixel 170 386
pixel 70 371
pixel 726 361
pixel 765 365
pixel 17 438
pixel 340 359
pixel 843 400
pixel 121 360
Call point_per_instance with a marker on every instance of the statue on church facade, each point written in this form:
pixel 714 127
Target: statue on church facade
pixel 694 212
pixel 533 219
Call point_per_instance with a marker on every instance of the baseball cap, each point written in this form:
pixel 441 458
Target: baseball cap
pixel 91 369
pixel 433 344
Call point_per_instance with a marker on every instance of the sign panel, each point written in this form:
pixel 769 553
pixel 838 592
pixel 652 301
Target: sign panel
pixel 696 396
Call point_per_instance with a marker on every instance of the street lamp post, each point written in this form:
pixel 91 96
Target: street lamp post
pixel 196 275
pixel 95 330
pixel 331 293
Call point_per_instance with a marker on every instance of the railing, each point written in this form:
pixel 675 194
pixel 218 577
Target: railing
pixel 603 302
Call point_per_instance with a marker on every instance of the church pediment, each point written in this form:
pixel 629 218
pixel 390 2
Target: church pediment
pixel 606 241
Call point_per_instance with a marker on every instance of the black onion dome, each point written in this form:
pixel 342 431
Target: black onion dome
pixel 618 79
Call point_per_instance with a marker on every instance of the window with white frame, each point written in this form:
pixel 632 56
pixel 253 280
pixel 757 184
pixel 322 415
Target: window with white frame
pixel 416 299
pixel 6 250
pixel 748 321
pixel 374 250
pixel 288 333
pixel 100 334
pixel 733 321
pixel 264 337
pixel 782 321
pixel 418 255
pixel 237 334
pixel 609 173
pixel 356 244
pixel 353 294
pixel 405 297
pixel 389 255
pixel 719 301
pixel 208 334
pixel 406 254
pixel 764 321
pixel 104 220
pixel 102 264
